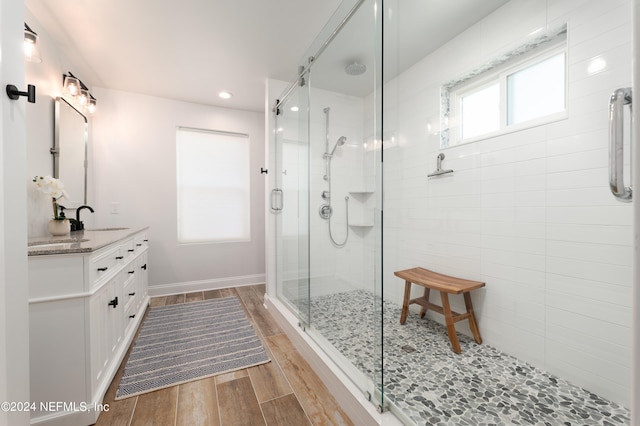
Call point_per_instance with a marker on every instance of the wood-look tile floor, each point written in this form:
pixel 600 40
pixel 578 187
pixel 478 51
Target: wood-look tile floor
pixel 285 391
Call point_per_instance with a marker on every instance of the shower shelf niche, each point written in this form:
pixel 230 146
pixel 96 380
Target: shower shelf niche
pixel 360 210
pixel 362 225
pixel 363 188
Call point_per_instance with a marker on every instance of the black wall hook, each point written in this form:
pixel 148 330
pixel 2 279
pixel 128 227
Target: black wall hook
pixel 14 93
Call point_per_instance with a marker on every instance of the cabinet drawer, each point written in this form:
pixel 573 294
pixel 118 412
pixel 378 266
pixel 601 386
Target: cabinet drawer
pixel 129 292
pixel 141 240
pixel 128 248
pixel 104 264
pixel 139 243
pixel 131 314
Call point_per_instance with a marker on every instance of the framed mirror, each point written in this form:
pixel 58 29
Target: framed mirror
pixel 70 152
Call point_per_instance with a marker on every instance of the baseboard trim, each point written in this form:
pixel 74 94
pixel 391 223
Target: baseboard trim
pixel 211 284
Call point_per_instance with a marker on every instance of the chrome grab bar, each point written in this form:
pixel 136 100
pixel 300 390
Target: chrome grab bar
pixel 278 196
pixel 619 99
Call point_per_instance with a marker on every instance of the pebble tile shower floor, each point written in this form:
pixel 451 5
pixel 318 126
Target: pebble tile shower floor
pixel 434 386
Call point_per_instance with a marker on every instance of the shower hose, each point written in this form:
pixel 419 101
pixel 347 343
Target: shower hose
pixel 342 244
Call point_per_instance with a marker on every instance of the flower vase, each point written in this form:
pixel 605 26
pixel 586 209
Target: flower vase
pixel 59 227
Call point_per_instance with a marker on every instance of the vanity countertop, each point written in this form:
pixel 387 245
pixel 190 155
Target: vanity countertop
pixel 86 241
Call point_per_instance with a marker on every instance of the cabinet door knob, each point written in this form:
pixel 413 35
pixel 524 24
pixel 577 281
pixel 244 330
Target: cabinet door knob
pixel 131 272
pixel 119 257
pixel 131 250
pixel 102 269
pixel 132 294
pixel 146 241
pixel 144 267
pixel 139 244
pixel 132 316
pixel 113 302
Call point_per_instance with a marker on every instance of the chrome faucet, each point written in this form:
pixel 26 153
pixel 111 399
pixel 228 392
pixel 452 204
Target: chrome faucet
pixel 79 226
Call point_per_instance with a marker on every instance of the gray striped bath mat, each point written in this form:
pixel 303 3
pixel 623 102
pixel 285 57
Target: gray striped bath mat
pixel 190 341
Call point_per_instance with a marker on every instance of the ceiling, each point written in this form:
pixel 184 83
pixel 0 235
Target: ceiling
pixel 192 49
pixel 413 29
pixel 186 50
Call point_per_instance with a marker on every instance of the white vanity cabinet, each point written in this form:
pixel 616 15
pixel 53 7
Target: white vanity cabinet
pixel 84 309
pixel 106 331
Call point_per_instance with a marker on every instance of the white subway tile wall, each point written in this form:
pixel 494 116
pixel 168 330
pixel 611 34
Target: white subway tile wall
pixel 529 212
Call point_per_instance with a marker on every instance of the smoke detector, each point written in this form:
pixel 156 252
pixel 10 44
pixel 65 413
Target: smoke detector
pixel 355 68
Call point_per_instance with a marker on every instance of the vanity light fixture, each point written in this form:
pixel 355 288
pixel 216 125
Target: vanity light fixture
pixel 84 97
pixel 71 85
pixel 31 47
pixel 225 95
pixel 91 108
pixel 77 93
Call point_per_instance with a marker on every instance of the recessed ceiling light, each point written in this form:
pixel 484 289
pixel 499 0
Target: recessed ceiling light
pixel 294 108
pixel 225 95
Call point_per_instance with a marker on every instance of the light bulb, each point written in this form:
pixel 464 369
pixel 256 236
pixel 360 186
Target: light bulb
pixel 31 50
pixel 84 97
pixel 29 47
pixel 71 85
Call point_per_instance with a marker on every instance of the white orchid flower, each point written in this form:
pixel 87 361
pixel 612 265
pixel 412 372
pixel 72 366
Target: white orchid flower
pixel 52 187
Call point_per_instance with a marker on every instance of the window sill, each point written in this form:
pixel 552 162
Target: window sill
pixel 513 129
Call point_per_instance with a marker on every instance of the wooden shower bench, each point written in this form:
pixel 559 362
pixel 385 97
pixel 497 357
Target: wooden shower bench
pixel 446 285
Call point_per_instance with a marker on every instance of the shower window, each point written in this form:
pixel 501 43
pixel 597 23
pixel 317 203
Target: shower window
pixel 536 90
pixel 213 190
pixel 480 111
pixel 523 88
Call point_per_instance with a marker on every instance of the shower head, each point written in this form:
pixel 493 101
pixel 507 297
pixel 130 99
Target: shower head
pixel 341 141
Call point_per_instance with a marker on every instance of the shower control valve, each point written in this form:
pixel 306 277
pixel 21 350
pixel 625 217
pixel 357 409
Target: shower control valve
pixel 326 195
pixel 325 211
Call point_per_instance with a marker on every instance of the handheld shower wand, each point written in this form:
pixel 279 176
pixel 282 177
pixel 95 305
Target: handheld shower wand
pixel 341 141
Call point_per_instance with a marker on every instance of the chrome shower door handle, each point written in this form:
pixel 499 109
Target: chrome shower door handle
pixel 277 198
pixel 619 99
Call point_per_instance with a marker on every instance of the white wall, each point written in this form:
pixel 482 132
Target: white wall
pixel 530 212
pixel 134 155
pixel 133 149
pixel 336 269
pixel 14 319
pixel 47 77
pixel 332 269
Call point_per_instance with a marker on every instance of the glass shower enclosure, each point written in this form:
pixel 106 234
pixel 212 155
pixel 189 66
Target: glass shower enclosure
pixel 381 102
pixel 327 197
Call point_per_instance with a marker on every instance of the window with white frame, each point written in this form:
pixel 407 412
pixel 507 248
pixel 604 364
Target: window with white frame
pixel 524 88
pixel 213 186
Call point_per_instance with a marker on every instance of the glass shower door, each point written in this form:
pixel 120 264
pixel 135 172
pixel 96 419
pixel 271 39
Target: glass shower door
pixel 345 195
pixel 329 150
pixel 290 202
